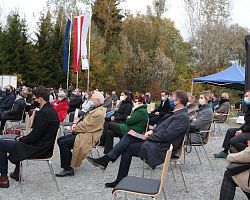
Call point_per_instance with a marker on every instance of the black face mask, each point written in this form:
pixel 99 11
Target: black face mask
pixel 7 91
pixel 36 104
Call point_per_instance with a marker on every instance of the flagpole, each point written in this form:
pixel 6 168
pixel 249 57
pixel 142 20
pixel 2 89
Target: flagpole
pixel 89 48
pixel 69 51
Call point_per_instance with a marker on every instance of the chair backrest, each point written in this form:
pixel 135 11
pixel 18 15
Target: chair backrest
pixel 165 168
pixel 181 149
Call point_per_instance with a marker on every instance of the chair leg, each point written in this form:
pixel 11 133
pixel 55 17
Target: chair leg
pixel 126 196
pixel 164 194
pixel 21 176
pixel 115 196
pixel 208 158
pixel 197 155
pixel 184 182
pixel 172 171
pixel 53 174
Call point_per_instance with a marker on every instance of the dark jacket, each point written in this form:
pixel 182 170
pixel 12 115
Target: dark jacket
pixel 171 131
pixel 75 101
pixel 163 108
pixel 16 113
pixel 39 143
pixel 108 104
pixel 7 102
pixel 246 127
pixel 123 111
pixel 137 121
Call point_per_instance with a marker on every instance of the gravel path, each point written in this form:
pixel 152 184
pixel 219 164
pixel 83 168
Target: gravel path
pixel 88 183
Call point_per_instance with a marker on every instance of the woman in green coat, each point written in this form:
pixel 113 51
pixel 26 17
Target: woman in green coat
pixel 137 121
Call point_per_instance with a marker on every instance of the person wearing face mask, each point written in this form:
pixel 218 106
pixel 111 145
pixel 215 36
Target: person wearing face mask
pixel 75 100
pixel 85 133
pixel 16 113
pixel 137 121
pixel 222 109
pixel 165 106
pixel 119 116
pixel 192 106
pixel 61 105
pixel 237 137
pixel 7 100
pixel 202 121
pixel 39 143
pixel 157 141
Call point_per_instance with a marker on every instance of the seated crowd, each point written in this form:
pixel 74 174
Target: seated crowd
pixel 100 119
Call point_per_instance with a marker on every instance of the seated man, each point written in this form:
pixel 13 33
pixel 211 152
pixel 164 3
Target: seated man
pixel 16 113
pixel 156 115
pixel 39 143
pixel 202 121
pixel 153 150
pixel 237 137
pixel 84 135
pixel 7 100
pixel 230 183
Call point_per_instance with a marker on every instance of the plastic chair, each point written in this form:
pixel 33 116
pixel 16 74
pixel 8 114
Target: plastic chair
pixel 48 160
pixel 144 186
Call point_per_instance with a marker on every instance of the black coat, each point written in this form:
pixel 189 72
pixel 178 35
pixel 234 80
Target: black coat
pixel 246 127
pixel 123 111
pixel 171 131
pixel 16 113
pixel 163 108
pixel 7 102
pixel 39 143
pixel 75 101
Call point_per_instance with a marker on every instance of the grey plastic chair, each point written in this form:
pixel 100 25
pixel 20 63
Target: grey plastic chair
pixel 144 186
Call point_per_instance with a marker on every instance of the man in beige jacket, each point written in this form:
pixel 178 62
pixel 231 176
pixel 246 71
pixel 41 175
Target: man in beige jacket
pixel 85 133
pixel 242 179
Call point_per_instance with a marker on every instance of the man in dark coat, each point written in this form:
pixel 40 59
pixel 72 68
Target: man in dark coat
pixel 155 117
pixel 153 150
pixel 75 100
pixel 16 113
pixel 39 143
pixel 7 100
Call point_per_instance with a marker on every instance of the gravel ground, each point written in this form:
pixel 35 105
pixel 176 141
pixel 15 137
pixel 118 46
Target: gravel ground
pixel 88 182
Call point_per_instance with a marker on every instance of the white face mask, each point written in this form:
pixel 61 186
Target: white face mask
pixel 202 102
pixel 188 103
pixel 122 98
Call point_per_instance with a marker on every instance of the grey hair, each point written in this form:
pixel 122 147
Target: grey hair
pixel 99 96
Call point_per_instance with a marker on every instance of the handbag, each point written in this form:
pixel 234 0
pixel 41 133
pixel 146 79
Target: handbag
pixel 14 131
pixel 237 168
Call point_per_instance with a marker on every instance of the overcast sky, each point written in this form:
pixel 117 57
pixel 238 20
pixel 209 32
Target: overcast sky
pixel 31 9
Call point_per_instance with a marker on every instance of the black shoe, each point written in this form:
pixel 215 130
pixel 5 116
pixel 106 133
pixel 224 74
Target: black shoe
pixel 64 173
pixel 112 184
pixel 101 162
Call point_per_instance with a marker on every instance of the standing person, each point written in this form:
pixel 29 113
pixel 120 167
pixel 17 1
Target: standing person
pixel 84 135
pixel 164 107
pixel 153 150
pixel 39 143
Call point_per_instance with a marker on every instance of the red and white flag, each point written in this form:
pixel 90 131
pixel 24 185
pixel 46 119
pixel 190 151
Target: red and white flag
pixel 78 21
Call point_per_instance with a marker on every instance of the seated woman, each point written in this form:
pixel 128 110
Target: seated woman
pixel 61 105
pixel 119 116
pixel 202 121
pixel 221 112
pixel 241 180
pixel 137 121
pixel 192 106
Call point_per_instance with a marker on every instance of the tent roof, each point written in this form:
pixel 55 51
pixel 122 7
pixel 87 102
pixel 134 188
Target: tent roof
pixel 232 77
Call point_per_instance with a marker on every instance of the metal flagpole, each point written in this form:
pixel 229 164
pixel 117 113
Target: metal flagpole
pixel 77 73
pixel 69 51
pixel 89 47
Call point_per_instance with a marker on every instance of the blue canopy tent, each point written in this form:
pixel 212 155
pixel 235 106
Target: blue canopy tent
pixel 232 77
